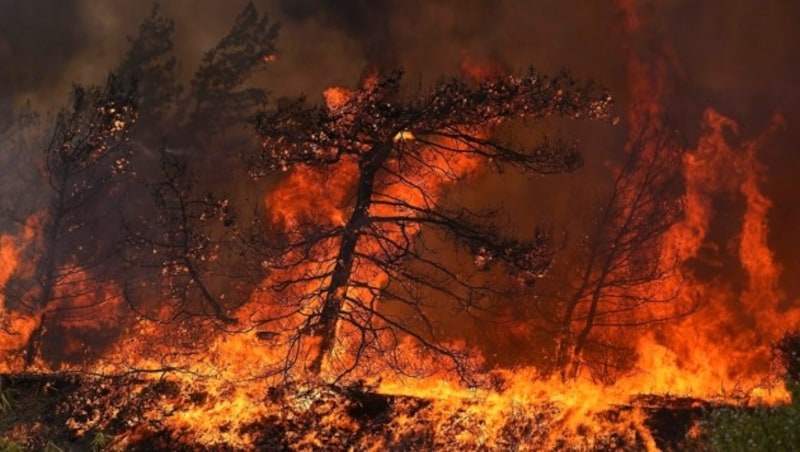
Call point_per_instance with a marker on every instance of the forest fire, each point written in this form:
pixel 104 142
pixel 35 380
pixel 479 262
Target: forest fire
pixel 360 301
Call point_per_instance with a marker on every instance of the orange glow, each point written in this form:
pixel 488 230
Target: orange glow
pixel 477 71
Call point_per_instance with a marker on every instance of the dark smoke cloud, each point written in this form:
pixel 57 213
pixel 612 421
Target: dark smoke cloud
pixel 366 21
pixel 38 38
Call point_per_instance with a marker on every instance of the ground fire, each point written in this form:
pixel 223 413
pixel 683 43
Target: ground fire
pixel 197 263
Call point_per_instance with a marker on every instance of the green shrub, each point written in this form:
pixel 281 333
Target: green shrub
pixel 754 429
pixel 100 441
pixel 762 428
pixel 10 446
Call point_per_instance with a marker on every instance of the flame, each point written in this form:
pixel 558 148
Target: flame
pixel 724 347
pixel 16 323
pixel 311 193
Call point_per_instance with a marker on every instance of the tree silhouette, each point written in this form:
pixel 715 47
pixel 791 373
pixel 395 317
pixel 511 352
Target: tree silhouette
pixel 180 239
pixel 96 157
pixel 398 153
pixel 150 64
pixel 86 154
pixel 620 263
pixel 176 242
pixel 218 98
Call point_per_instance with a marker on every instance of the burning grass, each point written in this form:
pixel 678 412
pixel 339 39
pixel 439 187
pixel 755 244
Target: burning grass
pixel 79 412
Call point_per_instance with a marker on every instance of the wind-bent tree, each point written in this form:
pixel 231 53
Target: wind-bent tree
pixel 181 242
pixel 83 160
pixel 180 248
pixel 621 266
pixel 150 64
pixel 368 277
pixel 216 99
pixel 217 96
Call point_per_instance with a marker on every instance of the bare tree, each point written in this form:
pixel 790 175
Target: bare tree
pixel 621 266
pixel 399 152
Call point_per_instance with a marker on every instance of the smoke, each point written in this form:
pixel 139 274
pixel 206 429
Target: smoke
pixel 38 39
pixel 366 21
pixel 736 57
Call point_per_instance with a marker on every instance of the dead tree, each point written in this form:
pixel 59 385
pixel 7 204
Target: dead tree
pixel 621 263
pixel 399 153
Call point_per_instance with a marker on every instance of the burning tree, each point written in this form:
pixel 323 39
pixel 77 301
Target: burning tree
pixel 180 241
pixel 621 278
pixel 359 270
pixel 89 164
pixel 86 153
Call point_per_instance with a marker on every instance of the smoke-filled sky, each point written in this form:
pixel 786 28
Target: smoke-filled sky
pixel 736 56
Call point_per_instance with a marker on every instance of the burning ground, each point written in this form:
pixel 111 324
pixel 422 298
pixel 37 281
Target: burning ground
pixel 80 413
pixel 498 258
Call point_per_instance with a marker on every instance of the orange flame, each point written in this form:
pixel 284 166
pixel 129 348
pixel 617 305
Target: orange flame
pixel 725 346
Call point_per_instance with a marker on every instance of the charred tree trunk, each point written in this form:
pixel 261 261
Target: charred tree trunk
pixel 570 354
pixel 335 295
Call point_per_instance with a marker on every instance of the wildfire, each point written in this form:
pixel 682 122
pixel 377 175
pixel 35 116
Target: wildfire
pixel 720 349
